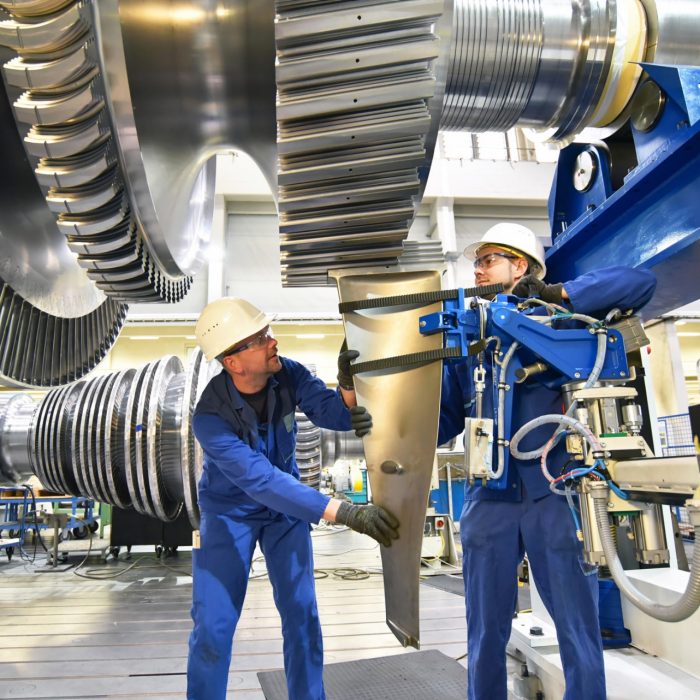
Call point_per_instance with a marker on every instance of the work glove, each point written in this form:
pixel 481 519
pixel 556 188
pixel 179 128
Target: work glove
pixel 370 520
pixel 361 420
pixel 531 286
pixel 344 359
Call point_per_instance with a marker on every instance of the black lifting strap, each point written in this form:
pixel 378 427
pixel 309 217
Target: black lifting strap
pixel 404 360
pixel 415 358
pixel 420 299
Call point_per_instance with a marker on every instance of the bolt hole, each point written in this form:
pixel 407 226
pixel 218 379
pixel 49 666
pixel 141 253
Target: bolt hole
pixel 359 18
pixel 357 60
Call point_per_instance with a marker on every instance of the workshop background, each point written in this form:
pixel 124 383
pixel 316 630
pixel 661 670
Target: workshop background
pixel 156 156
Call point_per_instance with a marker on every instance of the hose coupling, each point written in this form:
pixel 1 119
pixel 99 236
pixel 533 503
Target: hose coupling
pixel 599 490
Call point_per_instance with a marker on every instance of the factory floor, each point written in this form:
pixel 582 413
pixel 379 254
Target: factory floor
pixel 63 636
pixel 122 632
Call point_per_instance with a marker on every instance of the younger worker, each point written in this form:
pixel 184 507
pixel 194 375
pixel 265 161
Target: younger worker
pixel 250 493
pixel 499 527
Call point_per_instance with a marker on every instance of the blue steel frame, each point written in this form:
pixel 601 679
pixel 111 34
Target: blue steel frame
pixel 570 353
pixel 653 220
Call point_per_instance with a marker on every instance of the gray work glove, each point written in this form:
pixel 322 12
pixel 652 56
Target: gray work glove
pixel 361 420
pixel 530 286
pixel 370 520
pixel 344 359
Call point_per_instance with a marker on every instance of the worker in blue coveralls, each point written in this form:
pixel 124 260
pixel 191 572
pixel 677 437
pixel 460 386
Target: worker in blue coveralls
pixel 499 526
pixel 250 493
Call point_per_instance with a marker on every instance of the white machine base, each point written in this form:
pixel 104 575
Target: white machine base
pixel 630 673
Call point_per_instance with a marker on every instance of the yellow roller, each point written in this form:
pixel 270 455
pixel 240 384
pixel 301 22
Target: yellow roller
pixel 630 49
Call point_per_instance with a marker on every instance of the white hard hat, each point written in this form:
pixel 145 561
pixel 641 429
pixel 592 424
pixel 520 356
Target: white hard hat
pixel 225 322
pixel 513 237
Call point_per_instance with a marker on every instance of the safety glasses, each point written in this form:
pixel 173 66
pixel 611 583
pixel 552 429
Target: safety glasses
pixel 259 340
pixel 490 259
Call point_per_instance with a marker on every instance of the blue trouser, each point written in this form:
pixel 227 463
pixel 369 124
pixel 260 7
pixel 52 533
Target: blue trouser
pixel 220 570
pixel 495 536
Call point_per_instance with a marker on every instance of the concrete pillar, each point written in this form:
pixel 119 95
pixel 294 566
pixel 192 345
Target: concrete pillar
pixel 217 249
pixel 442 227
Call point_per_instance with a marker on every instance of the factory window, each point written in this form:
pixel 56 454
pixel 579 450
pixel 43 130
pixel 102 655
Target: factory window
pixel 512 145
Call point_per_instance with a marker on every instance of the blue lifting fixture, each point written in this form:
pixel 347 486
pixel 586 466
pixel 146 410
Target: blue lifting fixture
pixel 568 353
pixel 652 220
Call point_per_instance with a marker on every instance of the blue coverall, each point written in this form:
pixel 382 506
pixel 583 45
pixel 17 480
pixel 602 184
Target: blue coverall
pixel 250 492
pixel 498 527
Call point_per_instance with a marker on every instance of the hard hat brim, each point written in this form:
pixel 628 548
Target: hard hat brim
pixel 226 322
pixel 471 250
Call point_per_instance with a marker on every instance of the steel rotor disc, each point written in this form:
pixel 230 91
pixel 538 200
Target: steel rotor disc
pixel 188 443
pixel 66 417
pixel 100 442
pixel 93 443
pixel 34 439
pixel 49 438
pixel 199 374
pixel 170 444
pixel 115 455
pixel 82 441
pixel 132 441
pixel 143 437
pixel 166 507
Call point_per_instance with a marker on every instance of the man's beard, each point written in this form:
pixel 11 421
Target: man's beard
pixel 507 287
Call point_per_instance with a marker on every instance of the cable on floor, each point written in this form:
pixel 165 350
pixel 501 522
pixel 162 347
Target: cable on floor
pixel 345 573
pixel 346 551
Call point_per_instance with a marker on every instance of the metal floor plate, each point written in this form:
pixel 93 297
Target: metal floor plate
pixel 423 675
pixel 451 584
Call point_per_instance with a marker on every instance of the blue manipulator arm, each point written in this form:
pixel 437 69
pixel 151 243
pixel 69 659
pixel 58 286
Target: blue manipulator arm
pixel 523 345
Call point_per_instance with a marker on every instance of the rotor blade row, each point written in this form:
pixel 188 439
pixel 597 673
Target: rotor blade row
pixel 308 451
pixel 41 350
pixel 71 141
pixel 354 83
pixel 123 438
pixel 308 447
